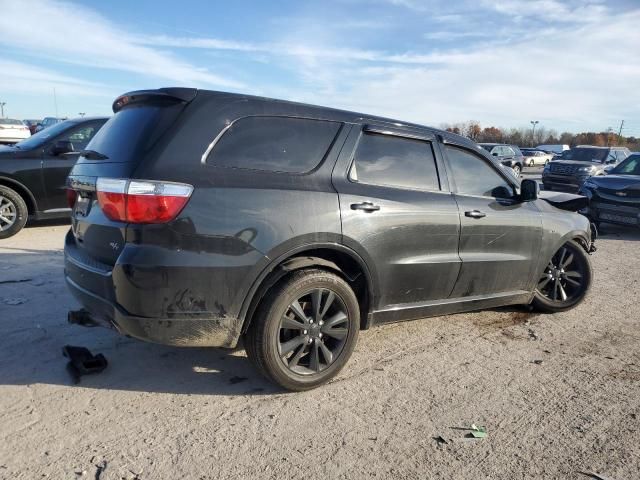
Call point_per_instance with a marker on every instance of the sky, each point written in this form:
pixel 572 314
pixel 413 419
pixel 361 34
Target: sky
pixel 572 65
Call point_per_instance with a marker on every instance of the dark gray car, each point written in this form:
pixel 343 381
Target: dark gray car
pixel 203 217
pixel 575 166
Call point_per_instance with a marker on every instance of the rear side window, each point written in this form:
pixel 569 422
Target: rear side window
pixel 275 144
pixel 396 162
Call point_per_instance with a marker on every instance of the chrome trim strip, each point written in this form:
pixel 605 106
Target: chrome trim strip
pixel 206 153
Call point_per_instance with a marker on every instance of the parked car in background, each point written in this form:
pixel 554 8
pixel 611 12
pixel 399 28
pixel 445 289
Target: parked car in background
pixel 48 122
pixel 534 157
pixel 555 148
pixel 32 124
pixel 33 173
pixel 13 130
pixel 568 173
pixel 615 197
pixel 509 155
pixel 201 217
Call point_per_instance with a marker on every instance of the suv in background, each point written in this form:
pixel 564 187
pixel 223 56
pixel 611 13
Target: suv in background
pixel 509 155
pixel 569 171
pixel 33 173
pixel 201 217
pixel 48 122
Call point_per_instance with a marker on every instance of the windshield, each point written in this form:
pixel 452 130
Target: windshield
pixel 631 166
pixel 488 148
pixel 43 136
pixel 585 154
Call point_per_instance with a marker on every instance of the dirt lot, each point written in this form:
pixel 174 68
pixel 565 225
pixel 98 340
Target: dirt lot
pixel 558 394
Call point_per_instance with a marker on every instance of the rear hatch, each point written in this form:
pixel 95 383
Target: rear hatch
pixel 128 138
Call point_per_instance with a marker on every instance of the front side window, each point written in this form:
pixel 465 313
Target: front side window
pixel 80 137
pixel 474 176
pixel 275 144
pixel 396 162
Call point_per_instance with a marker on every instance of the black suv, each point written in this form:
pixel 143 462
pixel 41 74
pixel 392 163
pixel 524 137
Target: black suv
pixel 203 217
pixel 573 167
pixel 33 173
pixel 509 155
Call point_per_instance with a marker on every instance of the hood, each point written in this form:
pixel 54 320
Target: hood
pixel 580 163
pixel 564 201
pixel 617 182
pixel 7 151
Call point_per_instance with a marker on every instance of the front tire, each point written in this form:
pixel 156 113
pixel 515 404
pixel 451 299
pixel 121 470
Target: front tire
pixel 517 169
pixel 305 330
pixel 13 212
pixel 565 281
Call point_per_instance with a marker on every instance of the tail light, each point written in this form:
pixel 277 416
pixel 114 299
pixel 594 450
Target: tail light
pixel 72 196
pixel 141 201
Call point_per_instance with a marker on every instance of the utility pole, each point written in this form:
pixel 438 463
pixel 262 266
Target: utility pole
pixel 620 131
pixel 533 132
pixel 2 104
pixel 609 130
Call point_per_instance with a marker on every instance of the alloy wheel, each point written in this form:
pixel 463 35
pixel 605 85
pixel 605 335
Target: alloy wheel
pixel 313 332
pixel 8 213
pixel 564 278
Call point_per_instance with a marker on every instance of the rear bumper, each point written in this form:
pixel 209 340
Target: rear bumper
pixel 92 285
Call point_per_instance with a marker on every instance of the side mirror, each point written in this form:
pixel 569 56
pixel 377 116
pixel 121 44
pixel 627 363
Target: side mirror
pixel 608 169
pixel 495 154
pixel 61 147
pixel 529 190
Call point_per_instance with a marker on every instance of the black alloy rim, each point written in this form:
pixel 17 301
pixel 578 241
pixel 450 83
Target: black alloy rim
pixel 313 332
pixel 8 213
pixel 563 279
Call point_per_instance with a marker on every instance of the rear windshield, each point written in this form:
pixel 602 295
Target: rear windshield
pixel 131 131
pixel 586 154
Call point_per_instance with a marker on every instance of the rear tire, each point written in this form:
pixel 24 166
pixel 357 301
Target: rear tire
pixel 565 281
pixel 13 212
pixel 304 330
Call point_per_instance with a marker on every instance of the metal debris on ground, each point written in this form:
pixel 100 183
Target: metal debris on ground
pixel 478 432
pixel 83 362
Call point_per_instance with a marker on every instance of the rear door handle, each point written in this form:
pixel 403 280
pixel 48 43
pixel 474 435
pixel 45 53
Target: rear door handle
pixel 366 206
pixel 475 214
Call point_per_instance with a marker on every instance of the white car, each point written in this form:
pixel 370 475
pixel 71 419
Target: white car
pixel 535 157
pixel 13 131
pixel 555 148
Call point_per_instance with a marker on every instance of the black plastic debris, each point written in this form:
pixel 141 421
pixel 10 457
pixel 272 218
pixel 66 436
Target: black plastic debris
pixel 83 362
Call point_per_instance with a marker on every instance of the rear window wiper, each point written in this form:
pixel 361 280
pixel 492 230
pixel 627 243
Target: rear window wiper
pixel 93 155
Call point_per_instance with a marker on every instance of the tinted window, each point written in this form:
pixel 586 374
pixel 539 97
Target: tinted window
pixel 631 166
pixel 586 154
pixel 131 131
pixel 80 137
pixel 474 176
pixel 395 161
pixel 45 135
pixel 275 144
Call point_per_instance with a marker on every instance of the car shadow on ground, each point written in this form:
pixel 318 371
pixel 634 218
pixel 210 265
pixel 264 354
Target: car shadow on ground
pixel 48 223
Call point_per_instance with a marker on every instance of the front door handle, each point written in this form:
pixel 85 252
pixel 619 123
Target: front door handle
pixel 366 206
pixel 475 214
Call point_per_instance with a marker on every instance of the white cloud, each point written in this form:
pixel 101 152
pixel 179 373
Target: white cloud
pixel 82 37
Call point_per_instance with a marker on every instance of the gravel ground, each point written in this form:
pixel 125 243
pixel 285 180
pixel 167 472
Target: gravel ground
pixel 558 394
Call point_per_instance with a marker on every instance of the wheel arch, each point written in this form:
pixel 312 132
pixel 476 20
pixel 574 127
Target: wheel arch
pixel 23 191
pixel 332 257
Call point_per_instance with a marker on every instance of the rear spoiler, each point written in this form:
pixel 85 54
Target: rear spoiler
pixel 162 96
